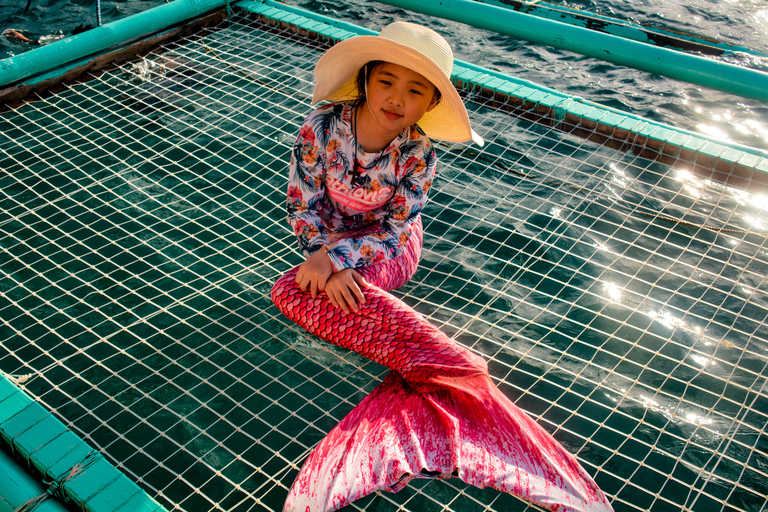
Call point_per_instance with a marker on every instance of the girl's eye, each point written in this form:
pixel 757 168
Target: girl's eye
pixel 385 82
pixel 415 91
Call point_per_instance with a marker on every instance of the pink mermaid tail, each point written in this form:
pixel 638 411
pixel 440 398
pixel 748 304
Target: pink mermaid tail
pixel 437 414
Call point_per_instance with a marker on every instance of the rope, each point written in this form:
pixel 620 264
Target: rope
pixel 55 486
pixel 33 503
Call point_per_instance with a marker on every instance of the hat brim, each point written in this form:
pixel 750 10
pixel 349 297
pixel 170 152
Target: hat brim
pixel 336 76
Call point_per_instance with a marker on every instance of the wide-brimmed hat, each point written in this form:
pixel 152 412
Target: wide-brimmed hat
pixel 415 47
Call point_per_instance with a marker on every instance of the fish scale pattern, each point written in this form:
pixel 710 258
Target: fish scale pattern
pixel 437 414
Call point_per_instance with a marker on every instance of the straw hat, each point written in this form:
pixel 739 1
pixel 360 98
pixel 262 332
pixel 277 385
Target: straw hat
pixel 409 45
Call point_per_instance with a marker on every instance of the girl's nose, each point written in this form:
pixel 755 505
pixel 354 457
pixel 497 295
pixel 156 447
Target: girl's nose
pixel 396 97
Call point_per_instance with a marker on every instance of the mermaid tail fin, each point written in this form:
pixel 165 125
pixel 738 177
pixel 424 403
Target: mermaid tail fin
pixel 389 437
pixel 503 448
pixel 402 431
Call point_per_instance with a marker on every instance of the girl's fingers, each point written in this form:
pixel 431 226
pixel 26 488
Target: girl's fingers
pixel 314 273
pixel 309 281
pixel 332 299
pixel 360 280
pixel 342 297
pixel 313 286
pixel 339 301
pixel 343 289
pixel 349 301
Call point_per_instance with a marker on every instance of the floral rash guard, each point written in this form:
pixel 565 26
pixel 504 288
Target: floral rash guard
pixel 363 216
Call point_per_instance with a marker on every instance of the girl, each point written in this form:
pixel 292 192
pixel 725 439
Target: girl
pixel 360 174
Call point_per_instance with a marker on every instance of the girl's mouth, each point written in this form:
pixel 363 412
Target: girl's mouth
pixel 392 115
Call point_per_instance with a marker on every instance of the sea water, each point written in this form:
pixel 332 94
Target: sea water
pixel 576 285
pixel 726 117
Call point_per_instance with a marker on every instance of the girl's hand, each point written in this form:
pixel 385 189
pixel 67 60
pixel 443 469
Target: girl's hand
pixel 343 289
pixel 314 273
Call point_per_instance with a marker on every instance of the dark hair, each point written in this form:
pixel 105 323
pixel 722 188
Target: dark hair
pixel 363 74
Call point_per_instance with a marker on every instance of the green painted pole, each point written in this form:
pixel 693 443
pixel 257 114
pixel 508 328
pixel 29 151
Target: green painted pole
pixel 66 463
pixel 17 488
pixel 46 58
pixel 624 28
pixel 714 74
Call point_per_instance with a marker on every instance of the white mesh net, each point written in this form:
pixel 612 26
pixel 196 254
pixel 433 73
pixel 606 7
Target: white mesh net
pixel 620 302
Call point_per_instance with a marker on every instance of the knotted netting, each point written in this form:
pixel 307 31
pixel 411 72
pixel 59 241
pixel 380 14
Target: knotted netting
pixel 619 301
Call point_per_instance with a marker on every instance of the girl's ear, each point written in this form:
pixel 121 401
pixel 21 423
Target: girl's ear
pixel 433 103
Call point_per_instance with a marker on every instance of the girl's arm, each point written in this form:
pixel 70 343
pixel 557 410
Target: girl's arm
pixel 306 191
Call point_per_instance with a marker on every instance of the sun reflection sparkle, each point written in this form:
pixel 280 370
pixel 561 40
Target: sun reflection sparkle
pixel 697 420
pixel 614 292
pixel 703 361
pixel 693 185
pixel 713 131
pixel 667 319
pixel 759 201
pixel 755 222
pixel 674 415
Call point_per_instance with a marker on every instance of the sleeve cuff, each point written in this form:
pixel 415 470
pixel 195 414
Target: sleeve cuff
pixel 338 264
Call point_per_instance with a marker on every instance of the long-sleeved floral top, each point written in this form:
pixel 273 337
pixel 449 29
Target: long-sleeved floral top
pixel 359 214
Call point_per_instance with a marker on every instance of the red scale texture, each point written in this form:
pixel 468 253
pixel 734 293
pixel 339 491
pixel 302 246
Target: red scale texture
pixel 436 415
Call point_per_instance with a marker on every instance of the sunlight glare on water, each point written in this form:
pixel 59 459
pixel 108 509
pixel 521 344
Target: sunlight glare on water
pixel 723 116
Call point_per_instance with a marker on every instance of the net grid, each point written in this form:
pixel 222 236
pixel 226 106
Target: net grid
pixel 743 168
pixel 142 234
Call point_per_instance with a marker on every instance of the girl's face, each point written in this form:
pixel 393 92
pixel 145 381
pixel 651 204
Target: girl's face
pixel 398 97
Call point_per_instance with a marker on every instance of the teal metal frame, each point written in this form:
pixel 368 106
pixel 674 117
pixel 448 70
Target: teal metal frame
pixel 626 29
pixel 73 471
pixel 714 74
pixel 46 58
pixel 18 488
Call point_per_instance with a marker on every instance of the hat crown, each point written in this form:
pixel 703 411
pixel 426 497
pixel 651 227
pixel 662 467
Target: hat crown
pixel 415 47
pixel 423 40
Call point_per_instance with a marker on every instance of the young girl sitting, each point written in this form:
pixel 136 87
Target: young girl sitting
pixel 360 175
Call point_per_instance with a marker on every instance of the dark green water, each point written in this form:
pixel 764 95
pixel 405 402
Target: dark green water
pixel 143 224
